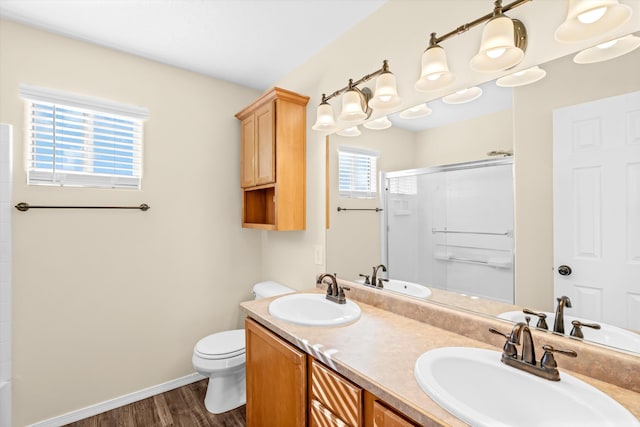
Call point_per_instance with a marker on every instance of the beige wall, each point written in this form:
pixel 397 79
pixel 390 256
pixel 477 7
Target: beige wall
pixel 353 239
pixel 465 141
pixel 566 84
pixel 107 303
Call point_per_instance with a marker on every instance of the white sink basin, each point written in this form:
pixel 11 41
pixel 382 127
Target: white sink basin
pixel 407 288
pixel 313 310
pixel 608 334
pixel 476 387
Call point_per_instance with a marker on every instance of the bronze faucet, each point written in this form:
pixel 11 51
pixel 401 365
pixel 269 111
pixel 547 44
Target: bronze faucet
pixel 558 324
pixel 335 293
pixel 547 368
pixel 377 283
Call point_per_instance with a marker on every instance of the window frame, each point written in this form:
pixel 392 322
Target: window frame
pixel 106 135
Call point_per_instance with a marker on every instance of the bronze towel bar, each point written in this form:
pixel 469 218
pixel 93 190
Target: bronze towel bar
pixel 351 209
pixel 23 207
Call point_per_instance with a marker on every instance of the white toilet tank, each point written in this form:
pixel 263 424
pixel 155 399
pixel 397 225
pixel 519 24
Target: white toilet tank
pixel 269 289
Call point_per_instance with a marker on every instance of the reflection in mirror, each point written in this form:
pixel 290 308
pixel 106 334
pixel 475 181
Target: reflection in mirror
pixel 524 127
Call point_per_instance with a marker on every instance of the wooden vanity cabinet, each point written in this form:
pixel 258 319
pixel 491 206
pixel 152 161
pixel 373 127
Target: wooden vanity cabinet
pixel 273 161
pixel 276 380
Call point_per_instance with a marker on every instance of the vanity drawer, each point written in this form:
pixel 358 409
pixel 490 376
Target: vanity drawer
pixel 385 417
pixel 322 417
pixel 337 394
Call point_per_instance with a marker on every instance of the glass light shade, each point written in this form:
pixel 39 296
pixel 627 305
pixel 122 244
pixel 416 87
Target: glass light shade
pixel 378 124
pixel 352 131
pixel 521 78
pixel 435 72
pixel 463 96
pixel 416 112
pixel 591 18
pixel 352 107
pixel 324 118
pixel 386 93
pixel 497 49
pixel 608 50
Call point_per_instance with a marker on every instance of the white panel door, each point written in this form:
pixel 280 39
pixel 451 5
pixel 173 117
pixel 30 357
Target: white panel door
pixel 597 208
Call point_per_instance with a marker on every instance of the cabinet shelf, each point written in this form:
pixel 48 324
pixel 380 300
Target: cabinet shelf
pixel 273 161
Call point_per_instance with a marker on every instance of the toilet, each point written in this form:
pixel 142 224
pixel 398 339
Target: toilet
pixel 221 358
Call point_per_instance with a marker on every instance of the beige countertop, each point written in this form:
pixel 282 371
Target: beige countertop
pixel 378 352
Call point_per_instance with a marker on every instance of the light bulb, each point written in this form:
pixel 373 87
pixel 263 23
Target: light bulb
pixel 495 53
pixel 592 16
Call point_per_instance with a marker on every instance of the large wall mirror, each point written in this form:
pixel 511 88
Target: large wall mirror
pixel 519 121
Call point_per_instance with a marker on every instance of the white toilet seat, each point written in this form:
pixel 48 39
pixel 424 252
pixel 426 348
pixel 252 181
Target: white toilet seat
pixel 222 345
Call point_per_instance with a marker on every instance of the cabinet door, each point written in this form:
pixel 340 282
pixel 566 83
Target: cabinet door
pixel 265 146
pixel 247 152
pixel 276 380
pixel 385 417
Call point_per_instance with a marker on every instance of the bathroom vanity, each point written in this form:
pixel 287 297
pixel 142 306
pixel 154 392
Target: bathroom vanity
pixel 362 374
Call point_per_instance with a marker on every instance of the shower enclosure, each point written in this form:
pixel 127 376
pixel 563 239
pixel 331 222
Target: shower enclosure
pixel 451 227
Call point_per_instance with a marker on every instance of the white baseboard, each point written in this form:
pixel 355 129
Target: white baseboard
pixel 108 405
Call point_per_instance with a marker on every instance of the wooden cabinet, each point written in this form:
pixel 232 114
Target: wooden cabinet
pixel 276 380
pixel 273 161
pixel 333 398
pixel 287 388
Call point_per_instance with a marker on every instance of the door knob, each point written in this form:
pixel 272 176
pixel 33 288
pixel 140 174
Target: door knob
pixel 564 270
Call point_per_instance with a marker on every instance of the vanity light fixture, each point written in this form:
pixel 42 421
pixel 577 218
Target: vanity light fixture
pixel 463 96
pixel 504 41
pixel 352 131
pixel 357 104
pixel 420 110
pixel 591 18
pixel 608 50
pixel 521 78
pixel 378 124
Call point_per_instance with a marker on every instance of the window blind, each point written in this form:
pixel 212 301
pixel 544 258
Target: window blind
pixel 357 172
pixel 71 144
pixel 403 185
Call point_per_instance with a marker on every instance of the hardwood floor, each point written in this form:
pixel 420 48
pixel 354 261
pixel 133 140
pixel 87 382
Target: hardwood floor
pixel 183 407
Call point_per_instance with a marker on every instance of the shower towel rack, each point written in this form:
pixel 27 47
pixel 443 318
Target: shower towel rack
pixel 435 230
pixel 24 207
pixel 361 209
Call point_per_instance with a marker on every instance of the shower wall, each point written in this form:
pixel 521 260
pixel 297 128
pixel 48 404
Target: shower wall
pixel 452 228
pixel 5 275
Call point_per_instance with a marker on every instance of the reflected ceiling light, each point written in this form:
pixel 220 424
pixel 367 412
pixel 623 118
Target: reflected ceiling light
pixel 521 78
pixel 591 18
pixel 324 117
pixel 378 124
pixel 504 41
pixel 462 96
pixel 352 131
pixel 608 50
pixel 416 112
pixel 435 72
pixel 357 104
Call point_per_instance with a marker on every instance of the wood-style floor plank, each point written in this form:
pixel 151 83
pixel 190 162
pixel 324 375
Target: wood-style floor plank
pixel 182 407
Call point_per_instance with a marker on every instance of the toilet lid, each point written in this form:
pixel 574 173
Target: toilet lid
pixel 222 345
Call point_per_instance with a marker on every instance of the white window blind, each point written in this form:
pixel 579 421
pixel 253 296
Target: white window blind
pixel 357 172
pixel 403 185
pixel 81 141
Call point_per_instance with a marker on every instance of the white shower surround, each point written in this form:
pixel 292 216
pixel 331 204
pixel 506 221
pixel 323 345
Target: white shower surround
pixel 5 275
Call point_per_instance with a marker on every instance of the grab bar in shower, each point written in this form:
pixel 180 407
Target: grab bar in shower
pixel 488 233
pixel 24 207
pixel 361 209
